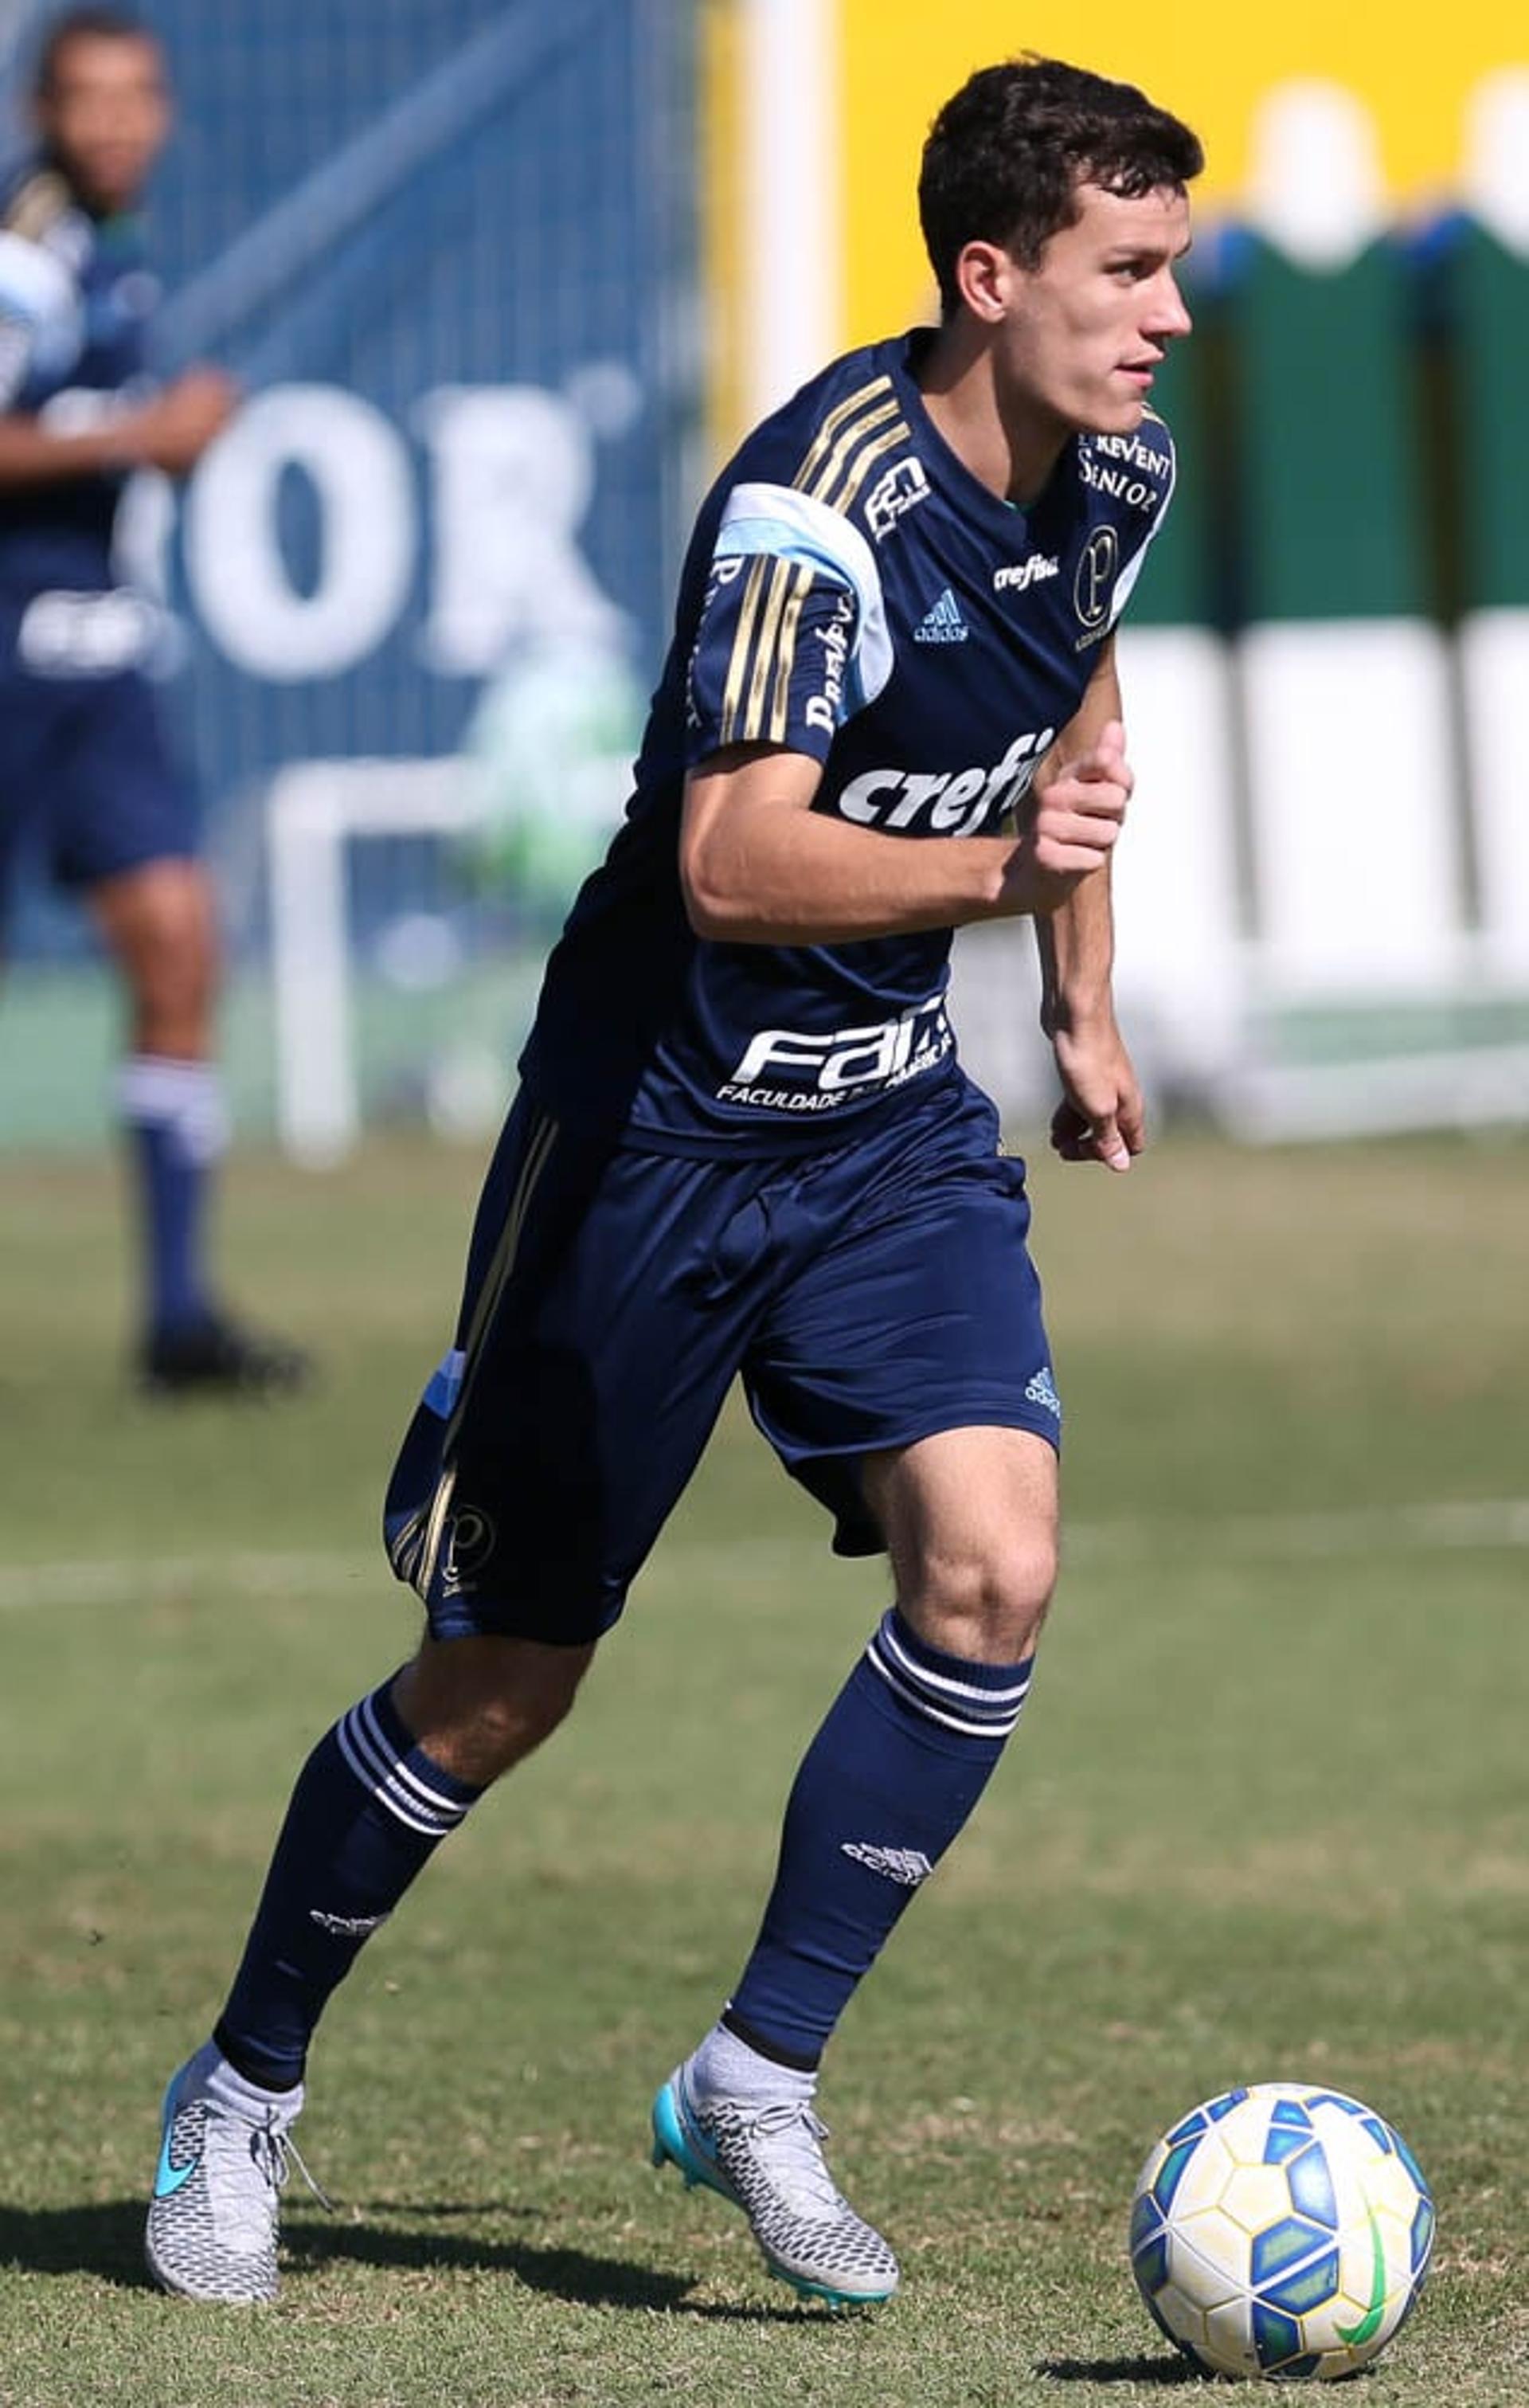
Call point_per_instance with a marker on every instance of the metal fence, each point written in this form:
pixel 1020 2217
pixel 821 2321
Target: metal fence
pixel 446 247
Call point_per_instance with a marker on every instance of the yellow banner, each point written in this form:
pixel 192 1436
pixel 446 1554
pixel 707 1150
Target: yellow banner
pixel 899 59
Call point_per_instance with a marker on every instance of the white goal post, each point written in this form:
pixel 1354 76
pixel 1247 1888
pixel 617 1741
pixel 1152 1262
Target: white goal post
pixel 313 810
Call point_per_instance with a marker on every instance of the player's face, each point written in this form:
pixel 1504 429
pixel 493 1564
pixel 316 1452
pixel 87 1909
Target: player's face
pixel 105 115
pixel 1084 331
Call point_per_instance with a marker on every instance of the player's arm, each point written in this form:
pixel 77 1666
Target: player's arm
pixel 1100 1117
pixel 170 431
pixel 758 866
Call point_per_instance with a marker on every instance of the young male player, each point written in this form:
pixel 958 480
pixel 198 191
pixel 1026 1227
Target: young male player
pixel 744 1146
pixel 84 770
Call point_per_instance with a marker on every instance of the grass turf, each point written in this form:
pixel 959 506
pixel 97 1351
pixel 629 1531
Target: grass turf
pixel 1265 1819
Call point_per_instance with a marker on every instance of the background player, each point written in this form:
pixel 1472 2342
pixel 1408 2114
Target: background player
pixel 744 1146
pixel 83 764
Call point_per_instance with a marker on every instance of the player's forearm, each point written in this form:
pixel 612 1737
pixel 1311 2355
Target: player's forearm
pixel 768 876
pixel 1077 946
pixel 30 454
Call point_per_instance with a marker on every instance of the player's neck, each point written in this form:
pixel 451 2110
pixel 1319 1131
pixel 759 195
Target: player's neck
pixel 1011 451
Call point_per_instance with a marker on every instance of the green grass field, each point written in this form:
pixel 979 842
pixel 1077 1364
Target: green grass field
pixel 1267 1818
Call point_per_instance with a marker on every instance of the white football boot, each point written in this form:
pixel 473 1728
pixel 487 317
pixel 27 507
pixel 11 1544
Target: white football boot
pixel 222 2163
pixel 766 2158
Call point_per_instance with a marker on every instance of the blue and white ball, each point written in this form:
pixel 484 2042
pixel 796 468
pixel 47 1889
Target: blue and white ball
pixel 1282 2231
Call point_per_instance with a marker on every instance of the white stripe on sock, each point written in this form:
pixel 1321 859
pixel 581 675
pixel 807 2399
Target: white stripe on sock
pixel 430 1801
pixel 156 1092
pixel 922 1704
pixel 376 1773
pixel 976 1691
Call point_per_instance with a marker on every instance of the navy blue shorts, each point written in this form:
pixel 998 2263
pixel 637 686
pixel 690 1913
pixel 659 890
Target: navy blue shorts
pixel 867 1296
pixel 87 780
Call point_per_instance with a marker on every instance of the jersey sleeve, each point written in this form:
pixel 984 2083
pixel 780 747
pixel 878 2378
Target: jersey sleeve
pixel 792 639
pixel 39 315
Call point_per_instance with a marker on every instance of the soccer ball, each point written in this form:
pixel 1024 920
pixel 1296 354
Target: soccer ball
pixel 1282 2231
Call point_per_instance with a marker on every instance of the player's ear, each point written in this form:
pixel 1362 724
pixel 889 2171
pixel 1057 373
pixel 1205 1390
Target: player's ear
pixel 984 272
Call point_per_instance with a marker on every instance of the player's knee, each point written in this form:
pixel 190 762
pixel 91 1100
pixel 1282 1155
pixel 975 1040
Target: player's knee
pixel 505 1725
pixel 988 1601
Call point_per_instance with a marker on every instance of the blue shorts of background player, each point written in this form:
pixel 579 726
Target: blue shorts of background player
pixel 89 787
pixel 867 1295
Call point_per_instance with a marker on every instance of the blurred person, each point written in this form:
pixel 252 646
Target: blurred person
pixel 84 766
pixel 744 1146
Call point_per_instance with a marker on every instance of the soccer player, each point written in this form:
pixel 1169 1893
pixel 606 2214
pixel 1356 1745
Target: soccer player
pixel 85 768
pixel 743 1145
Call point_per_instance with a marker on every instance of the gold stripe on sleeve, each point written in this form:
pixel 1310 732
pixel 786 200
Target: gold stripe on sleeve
pixel 785 654
pixel 738 661
pixel 764 650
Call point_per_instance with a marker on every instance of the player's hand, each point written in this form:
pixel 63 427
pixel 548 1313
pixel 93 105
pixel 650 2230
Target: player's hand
pixel 1101 1117
pixel 1071 826
pixel 173 429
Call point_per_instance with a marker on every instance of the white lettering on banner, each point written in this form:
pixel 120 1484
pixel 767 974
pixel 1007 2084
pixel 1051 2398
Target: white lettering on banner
pixel 510 476
pixel 358 467
pixel 949 803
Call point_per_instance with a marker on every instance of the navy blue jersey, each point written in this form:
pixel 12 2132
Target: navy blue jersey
pixel 851 592
pixel 74 300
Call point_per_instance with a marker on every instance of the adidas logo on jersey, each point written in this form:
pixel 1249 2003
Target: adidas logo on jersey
pixel 942 623
pixel 1041 1390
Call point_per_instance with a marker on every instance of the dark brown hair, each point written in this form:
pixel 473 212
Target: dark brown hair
pixel 1007 152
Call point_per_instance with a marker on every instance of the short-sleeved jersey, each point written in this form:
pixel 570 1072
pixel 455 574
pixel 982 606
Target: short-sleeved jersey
pixel 852 592
pixel 74 300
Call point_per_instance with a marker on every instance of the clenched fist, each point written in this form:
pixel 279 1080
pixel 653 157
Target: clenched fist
pixel 1070 825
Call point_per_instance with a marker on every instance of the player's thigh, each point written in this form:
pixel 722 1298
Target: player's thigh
pixel 160 923
pixel 921 1314
pixel 969 1517
pixel 594 1350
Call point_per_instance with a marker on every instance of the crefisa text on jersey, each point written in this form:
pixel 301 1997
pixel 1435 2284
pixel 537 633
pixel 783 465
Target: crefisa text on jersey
pixel 944 802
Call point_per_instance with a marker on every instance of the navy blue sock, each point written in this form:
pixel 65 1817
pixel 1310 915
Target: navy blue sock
pixel 889 1779
pixel 368 1809
pixel 174 1114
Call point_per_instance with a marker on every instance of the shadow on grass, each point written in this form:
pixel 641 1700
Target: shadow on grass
pixel 107 2241
pixel 570 2274
pixel 1120 2370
